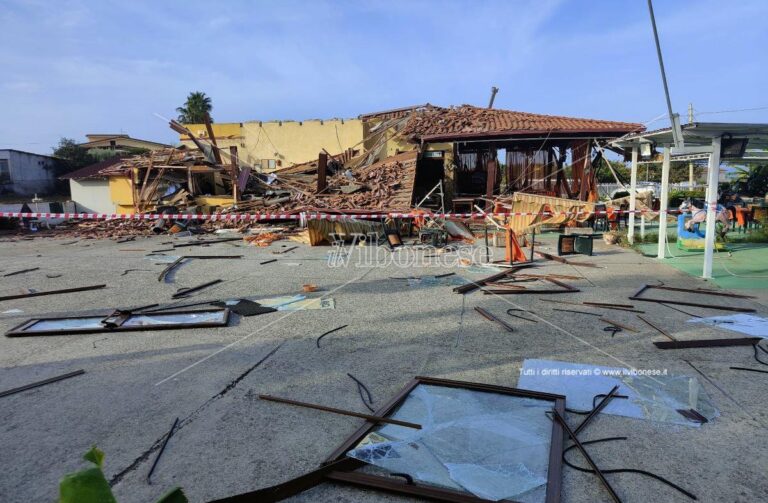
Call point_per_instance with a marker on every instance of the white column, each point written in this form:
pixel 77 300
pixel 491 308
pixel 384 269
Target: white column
pixel 663 204
pixel 632 196
pixel 713 176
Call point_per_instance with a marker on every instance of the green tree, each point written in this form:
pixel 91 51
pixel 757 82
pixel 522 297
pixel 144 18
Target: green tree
pixel 604 174
pixel 752 181
pixel 70 156
pixel 195 108
pixel 74 155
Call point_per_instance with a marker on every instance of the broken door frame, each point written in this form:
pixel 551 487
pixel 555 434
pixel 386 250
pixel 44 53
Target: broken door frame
pixel 19 330
pixel 554 471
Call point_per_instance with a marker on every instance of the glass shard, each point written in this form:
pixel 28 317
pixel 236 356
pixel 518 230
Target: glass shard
pixel 492 445
pixel 653 397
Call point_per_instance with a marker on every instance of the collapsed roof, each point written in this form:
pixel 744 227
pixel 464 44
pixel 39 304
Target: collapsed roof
pixel 466 121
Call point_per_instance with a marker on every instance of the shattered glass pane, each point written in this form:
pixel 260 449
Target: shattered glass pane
pixel 653 397
pixel 427 281
pixel 136 320
pixel 298 303
pixel 66 324
pixel 140 320
pixel 492 445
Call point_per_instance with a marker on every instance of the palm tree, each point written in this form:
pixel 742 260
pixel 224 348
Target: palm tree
pixel 195 108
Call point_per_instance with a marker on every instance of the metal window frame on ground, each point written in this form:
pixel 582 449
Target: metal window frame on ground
pixel 554 472
pixel 21 329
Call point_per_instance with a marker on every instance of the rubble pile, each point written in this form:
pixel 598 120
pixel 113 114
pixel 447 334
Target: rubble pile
pixel 385 185
pixel 103 229
pixel 264 238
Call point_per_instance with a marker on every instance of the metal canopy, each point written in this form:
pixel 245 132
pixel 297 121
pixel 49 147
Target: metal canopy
pixel 702 140
pixel 701 133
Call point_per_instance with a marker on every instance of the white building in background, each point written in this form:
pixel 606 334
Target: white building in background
pixel 89 190
pixel 25 173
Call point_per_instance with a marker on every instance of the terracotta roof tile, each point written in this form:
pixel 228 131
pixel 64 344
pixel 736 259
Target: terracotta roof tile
pixel 470 121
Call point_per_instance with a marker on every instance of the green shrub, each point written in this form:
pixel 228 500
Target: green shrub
pixel 677 196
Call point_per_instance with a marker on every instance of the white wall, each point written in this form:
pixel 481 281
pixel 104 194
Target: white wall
pixel 29 175
pixel 91 195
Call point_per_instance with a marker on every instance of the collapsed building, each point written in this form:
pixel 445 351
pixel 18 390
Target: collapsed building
pixel 453 159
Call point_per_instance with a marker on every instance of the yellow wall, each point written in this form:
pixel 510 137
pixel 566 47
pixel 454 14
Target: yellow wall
pixel 210 202
pixel 284 142
pixel 227 135
pixel 220 130
pixel 121 193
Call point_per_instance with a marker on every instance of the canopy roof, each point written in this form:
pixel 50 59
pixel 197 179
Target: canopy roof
pixel 701 133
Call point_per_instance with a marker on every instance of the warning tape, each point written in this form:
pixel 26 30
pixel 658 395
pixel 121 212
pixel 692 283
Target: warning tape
pixel 218 217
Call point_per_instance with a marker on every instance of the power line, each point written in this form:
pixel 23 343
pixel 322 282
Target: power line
pixel 733 111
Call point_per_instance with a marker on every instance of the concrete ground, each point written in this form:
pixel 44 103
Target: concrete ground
pixel 229 441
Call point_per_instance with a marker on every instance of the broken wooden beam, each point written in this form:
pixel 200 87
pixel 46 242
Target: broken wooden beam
pixel 185 292
pixel 474 285
pixel 708 343
pixel 662 332
pixel 555 258
pixel 52 292
pixel 639 293
pixel 322 170
pixel 367 417
pixel 41 383
pixel 21 272
pixel 490 317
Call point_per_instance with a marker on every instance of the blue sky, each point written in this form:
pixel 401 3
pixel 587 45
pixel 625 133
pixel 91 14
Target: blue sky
pixel 74 67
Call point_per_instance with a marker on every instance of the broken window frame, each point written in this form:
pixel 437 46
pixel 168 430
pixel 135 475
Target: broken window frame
pixel 116 321
pixel 554 471
pixel 639 293
pixel 492 288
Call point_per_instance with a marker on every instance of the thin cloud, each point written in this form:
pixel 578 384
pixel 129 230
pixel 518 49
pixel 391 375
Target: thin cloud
pixel 79 66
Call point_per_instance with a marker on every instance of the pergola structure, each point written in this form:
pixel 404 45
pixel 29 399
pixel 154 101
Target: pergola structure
pixel 716 142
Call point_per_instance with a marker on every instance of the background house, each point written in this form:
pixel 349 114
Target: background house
pixel 93 192
pixel 25 173
pixel 118 142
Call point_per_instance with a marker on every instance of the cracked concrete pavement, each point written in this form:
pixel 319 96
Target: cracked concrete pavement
pixel 228 441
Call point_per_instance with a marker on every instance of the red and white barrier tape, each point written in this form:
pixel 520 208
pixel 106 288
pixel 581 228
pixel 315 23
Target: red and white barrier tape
pixel 298 216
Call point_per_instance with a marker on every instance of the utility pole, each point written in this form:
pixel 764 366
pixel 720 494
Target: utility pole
pixel 691 180
pixel 674 118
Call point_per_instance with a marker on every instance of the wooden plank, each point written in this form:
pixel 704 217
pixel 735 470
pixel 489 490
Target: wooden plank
pixel 369 417
pixel 322 168
pixel 708 343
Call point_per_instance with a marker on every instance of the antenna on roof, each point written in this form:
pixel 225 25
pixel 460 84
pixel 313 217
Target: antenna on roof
pixel 674 119
pixel 494 90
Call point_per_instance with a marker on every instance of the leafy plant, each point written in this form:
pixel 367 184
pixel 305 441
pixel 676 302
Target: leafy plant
pixel 90 485
pixel 752 181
